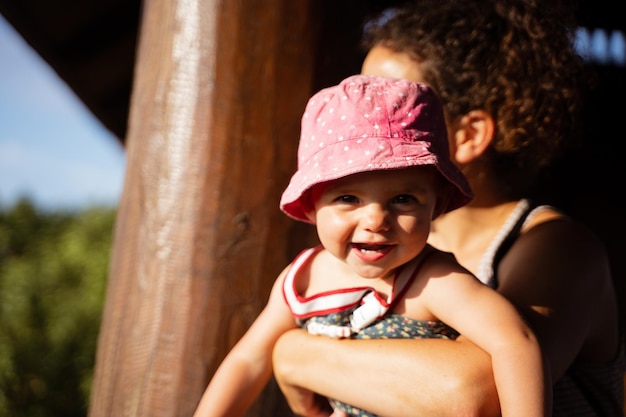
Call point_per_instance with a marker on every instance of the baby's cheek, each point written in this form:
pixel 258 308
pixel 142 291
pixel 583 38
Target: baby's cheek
pixel 418 226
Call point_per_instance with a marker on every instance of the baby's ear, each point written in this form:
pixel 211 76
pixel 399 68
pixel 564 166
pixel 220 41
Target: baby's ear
pixel 308 207
pixel 472 136
pixel 310 214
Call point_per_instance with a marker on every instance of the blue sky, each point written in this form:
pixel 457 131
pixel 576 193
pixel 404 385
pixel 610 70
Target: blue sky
pixel 52 149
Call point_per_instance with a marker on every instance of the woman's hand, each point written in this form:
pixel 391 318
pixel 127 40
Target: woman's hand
pixel 302 401
pixel 306 403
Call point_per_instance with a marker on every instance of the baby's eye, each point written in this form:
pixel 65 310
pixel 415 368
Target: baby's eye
pixel 404 199
pixel 346 199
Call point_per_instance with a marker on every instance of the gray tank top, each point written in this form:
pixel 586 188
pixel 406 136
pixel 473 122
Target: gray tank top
pixel 587 389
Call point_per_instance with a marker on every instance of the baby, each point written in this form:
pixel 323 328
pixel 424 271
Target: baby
pixel 373 172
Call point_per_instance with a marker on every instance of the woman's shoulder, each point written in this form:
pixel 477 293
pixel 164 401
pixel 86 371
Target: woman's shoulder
pixel 541 213
pixel 544 225
pixel 550 242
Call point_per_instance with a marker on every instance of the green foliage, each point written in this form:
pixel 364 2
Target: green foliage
pixel 53 269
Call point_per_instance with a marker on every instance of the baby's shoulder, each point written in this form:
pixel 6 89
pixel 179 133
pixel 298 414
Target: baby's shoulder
pixel 438 271
pixel 438 262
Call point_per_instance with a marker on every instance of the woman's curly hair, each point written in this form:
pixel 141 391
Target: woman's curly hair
pixel 512 58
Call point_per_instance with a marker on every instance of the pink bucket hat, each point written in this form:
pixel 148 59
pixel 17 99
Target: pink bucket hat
pixel 369 123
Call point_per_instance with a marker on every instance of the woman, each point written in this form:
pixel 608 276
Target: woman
pixel 506 73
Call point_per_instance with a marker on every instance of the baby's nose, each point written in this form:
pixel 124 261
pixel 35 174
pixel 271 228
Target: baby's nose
pixel 375 218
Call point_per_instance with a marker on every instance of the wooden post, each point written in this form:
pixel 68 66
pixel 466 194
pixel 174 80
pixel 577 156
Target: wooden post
pixel 219 90
pixel 218 93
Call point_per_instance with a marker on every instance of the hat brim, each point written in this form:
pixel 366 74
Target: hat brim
pixel 389 155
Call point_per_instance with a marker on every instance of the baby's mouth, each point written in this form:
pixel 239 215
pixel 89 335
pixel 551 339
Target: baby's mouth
pixel 370 247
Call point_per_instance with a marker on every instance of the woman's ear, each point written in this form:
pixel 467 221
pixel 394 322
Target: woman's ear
pixel 472 136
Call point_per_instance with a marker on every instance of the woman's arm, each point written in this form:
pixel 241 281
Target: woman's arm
pixel 557 274
pixel 399 377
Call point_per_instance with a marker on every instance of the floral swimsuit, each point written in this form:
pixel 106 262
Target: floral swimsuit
pixel 359 313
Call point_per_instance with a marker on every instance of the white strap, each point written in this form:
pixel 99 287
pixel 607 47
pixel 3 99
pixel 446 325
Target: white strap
pixel 371 309
pixel 324 303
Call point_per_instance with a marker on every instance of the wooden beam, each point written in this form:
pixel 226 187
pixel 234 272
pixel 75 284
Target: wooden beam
pixel 219 91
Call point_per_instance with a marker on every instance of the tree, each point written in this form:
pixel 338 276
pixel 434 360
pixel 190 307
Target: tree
pixel 53 269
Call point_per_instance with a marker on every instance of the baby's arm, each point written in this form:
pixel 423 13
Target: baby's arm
pixel 494 324
pixel 246 369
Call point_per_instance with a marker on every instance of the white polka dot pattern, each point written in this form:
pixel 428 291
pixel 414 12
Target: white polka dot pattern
pixel 370 123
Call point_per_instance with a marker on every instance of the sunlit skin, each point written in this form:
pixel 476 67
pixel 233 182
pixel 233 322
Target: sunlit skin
pixel 389 63
pixel 373 222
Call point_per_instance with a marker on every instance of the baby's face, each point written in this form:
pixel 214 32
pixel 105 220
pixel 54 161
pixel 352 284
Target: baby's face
pixel 376 221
